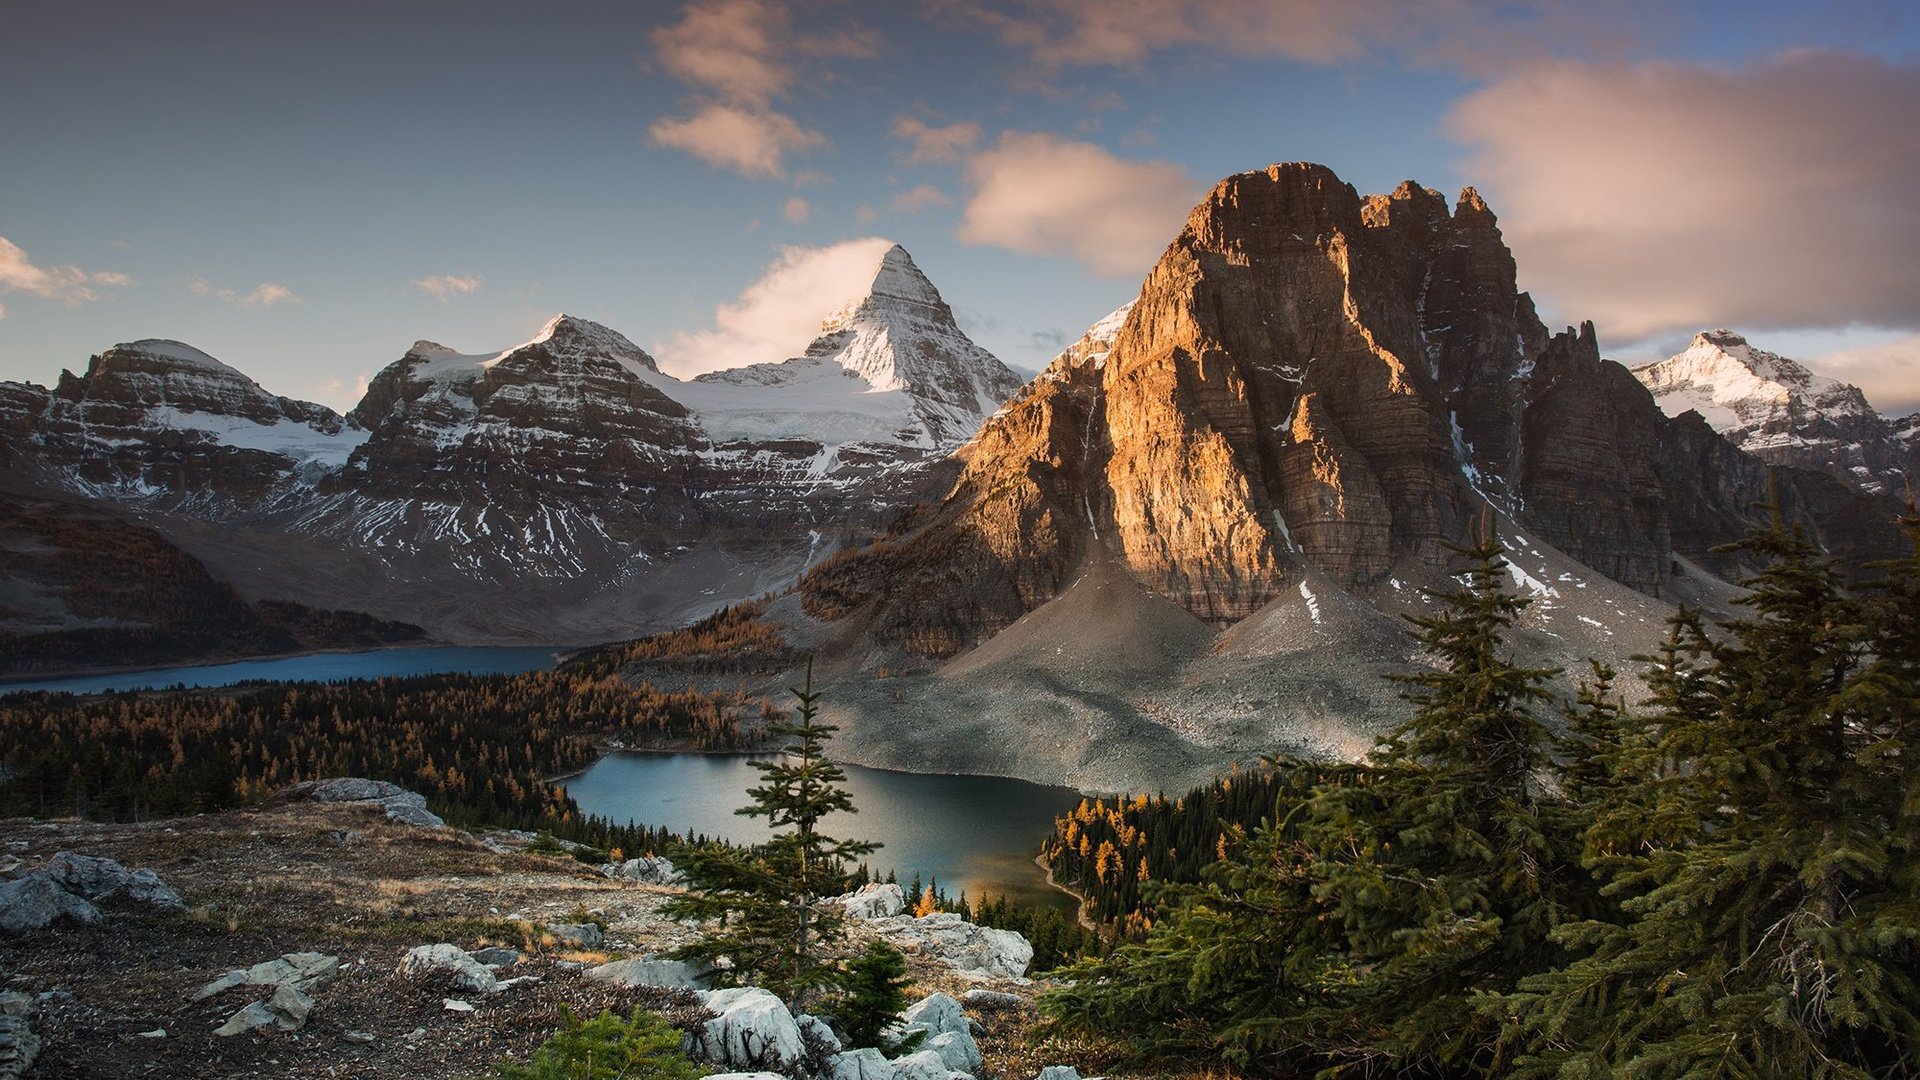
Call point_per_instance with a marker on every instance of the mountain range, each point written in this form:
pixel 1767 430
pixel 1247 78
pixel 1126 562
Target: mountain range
pixel 1186 543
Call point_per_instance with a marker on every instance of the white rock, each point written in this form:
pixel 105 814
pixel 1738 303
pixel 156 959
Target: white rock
pixel 648 870
pixel 399 804
pixel 814 1032
pixel 958 1049
pixel 978 998
pixel 752 1030
pixel 865 1063
pixel 469 974
pixel 647 971
pixel 980 951
pixel 101 879
pixel 927 1065
pixel 1058 1072
pixel 935 1014
pixel 456 1005
pixel 874 900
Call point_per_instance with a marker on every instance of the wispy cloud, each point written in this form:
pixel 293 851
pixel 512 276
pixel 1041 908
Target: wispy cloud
pixel 1888 373
pixel 775 317
pixel 68 284
pixel 915 199
pixel 737 55
pixel 444 287
pixel 796 210
pixel 1668 198
pixel 265 294
pixel 1462 34
pixel 936 144
pixel 1040 194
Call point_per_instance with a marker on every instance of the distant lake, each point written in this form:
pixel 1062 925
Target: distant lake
pixel 314 667
pixel 977 833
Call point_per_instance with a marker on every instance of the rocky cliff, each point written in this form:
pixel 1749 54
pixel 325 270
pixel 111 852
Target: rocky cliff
pixel 1308 382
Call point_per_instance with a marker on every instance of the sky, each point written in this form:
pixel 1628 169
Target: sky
pixel 303 190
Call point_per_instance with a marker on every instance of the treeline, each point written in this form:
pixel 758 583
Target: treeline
pixel 479 747
pixel 1117 854
pixel 1721 882
pixel 733 639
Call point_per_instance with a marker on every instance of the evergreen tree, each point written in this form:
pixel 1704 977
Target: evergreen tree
pixel 1363 923
pixel 875 997
pixel 763 903
pixel 1760 849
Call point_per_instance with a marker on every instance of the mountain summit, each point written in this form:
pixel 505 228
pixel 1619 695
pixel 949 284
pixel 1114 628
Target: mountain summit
pixel 1777 410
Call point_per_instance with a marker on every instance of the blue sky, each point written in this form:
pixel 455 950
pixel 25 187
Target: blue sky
pixel 303 190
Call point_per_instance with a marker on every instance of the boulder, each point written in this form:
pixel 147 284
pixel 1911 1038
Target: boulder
pixel 817 1037
pixel 648 971
pixel 100 880
pixel 19 1046
pixel 958 1049
pixel 287 1010
pixel 978 998
pixel 494 956
pixel 304 971
pixel 875 900
pixel 935 1014
pixel 751 1029
pixel 647 870
pixel 865 1063
pixel 468 973
pixel 979 951
pixel 34 902
pixel 1058 1072
pixel 927 1065
pixel 397 803
pixel 578 935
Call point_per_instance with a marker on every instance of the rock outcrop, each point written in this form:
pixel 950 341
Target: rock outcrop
pixel 391 800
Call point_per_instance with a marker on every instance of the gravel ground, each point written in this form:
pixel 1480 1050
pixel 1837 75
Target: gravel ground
pixel 260 883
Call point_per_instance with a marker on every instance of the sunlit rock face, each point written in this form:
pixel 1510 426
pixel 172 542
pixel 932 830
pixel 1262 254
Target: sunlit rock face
pixel 1308 382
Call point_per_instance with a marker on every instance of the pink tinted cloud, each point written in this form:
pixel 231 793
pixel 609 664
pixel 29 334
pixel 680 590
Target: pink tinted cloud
pixel 1040 194
pixel 68 284
pixel 1666 197
pixel 749 142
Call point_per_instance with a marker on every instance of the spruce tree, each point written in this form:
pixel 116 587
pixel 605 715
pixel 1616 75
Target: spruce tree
pixel 762 903
pixel 1759 851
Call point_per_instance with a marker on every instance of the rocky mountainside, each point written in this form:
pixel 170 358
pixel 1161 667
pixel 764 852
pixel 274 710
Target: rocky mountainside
pixel 564 489
pixel 1778 411
pixel 1314 395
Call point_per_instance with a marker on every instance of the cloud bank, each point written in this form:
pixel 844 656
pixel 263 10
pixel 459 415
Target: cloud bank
pixel 1663 197
pixel 775 318
pixel 1040 194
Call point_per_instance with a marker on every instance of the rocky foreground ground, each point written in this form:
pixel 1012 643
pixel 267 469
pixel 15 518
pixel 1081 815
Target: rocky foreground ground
pixel 327 907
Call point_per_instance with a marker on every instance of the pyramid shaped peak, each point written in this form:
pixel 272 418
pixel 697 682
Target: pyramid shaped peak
pixel 899 278
pixel 575 334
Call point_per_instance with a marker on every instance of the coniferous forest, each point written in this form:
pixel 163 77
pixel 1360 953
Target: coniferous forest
pixel 481 748
pixel 1720 881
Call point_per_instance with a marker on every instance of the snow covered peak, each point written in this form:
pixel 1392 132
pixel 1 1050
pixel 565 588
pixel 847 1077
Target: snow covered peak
pixel 573 336
pixel 1772 406
pixel 178 352
pixel 1737 387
